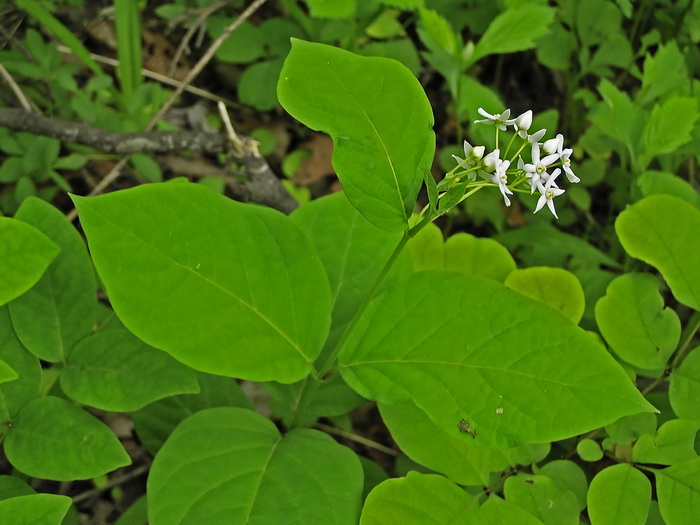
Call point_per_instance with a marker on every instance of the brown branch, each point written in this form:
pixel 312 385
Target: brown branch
pixel 262 186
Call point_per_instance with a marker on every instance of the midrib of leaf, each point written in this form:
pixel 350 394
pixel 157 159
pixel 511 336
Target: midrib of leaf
pixel 214 284
pixel 262 476
pixel 376 132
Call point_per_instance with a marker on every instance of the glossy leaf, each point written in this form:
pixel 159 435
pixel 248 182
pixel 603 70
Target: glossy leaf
pixel 678 491
pixel 674 442
pixel 419 498
pixel 632 318
pixel 380 121
pixel 34 509
pixel 557 288
pixel 468 348
pixel 539 496
pixel 25 253
pixel 684 388
pixel 461 252
pixel 353 252
pixel 619 495
pixel 652 182
pixel 230 465
pixel 14 394
pixel 116 371
pixel 223 287
pixel 439 450
pixel 155 422
pixel 54 439
pixel 61 308
pixel 660 230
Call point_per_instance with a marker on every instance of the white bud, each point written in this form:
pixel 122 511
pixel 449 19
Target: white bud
pixel 524 121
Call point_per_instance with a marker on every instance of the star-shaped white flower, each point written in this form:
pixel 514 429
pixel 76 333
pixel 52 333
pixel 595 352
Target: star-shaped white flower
pixel 548 192
pixel 502 120
pixel 557 145
pixel 501 179
pixel 537 171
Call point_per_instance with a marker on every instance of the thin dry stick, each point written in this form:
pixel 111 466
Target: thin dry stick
pixel 358 439
pixel 191 30
pixel 203 93
pixel 114 482
pixel 198 67
pixel 23 100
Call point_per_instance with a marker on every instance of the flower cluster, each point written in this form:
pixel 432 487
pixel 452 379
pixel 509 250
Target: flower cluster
pixel 547 161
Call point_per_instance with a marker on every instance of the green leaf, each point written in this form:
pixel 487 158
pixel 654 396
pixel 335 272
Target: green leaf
pixel 233 466
pixel 589 450
pixel 418 498
pixel 380 121
pixel 115 371
pixel 223 287
pixel 439 450
pixel 242 46
pixel 678 490
pixel 619 495
pixel 353 252
pixel 61 308
pixel 331 8
pixel 496 511
pixel 674 442
pixel 664 73
pixel 14 394
pixel 428 339
pixel 7 373
pixel 632 318
pixel 439 30
pixel 684 388
pixel 147 167
pixel 669 127
pixel 25 253
pixel 514 30
pixel 660 230
pixel 618 117
pixel 402 49
pixel 567 475
pixel 155 422
pixel 595 20
pixel 129 49
pixel 557 288
pixel 12 486
pixel 256 86
pixel 629 428
pixel 539 496
pixel 54 439
pixel 405 4
pixel 461 252
pixel 34 509
pixel 653 182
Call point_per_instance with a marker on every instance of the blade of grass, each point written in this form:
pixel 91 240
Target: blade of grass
pixel 128 47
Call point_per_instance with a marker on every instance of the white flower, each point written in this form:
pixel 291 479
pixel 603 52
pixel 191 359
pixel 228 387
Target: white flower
pixel 537 171
pixel 523 122
pixel 557 144
pixel 501 120
pixel 548 192
pixel 472 155
pixel 554 145
pixel 501 179
pixel 492 160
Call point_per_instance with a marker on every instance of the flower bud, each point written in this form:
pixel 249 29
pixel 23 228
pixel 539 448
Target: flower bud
pixel 524 121
pixel 492 160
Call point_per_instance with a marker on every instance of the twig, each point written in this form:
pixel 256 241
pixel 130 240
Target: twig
pixel 358 439
pixel 23 100
pixel 114 482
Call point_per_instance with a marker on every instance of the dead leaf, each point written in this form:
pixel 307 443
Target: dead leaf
pixel 318 166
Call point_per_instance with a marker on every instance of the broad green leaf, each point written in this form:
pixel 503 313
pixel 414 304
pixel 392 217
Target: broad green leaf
pixel 589 450
pixel 61 308
pixel 660 230
pixel 557 288
pixel 136 514
pixel 439 30
pixel 539 496
pixel 653 182
pixel 468 348
pixel 678 491
pixel 380 121
pixel 402 49
pixel 514 30
pixel 632 318
pixel 223 287
pixel 618 117
pixel 7 373
pixel 439 450
pixel 669 126
pixel 544 245
pixel 242 46
pixel 595 20
pixel 54 439
pixel 155 422
pixel 461 252
pixel 664 73
pixel 331 8
pixel 353 252
pixel 419 498
pixel 673 443
pixel 684 388
pixel 34 509
pixel 629 428
pixel 256 86
pixel 555 49
pixel 115 371
pixel 231 465
pixel 567 475
pixel 25 253
pixel 619 495
pixel 497 511
pixel 12 486
pixel 14 394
